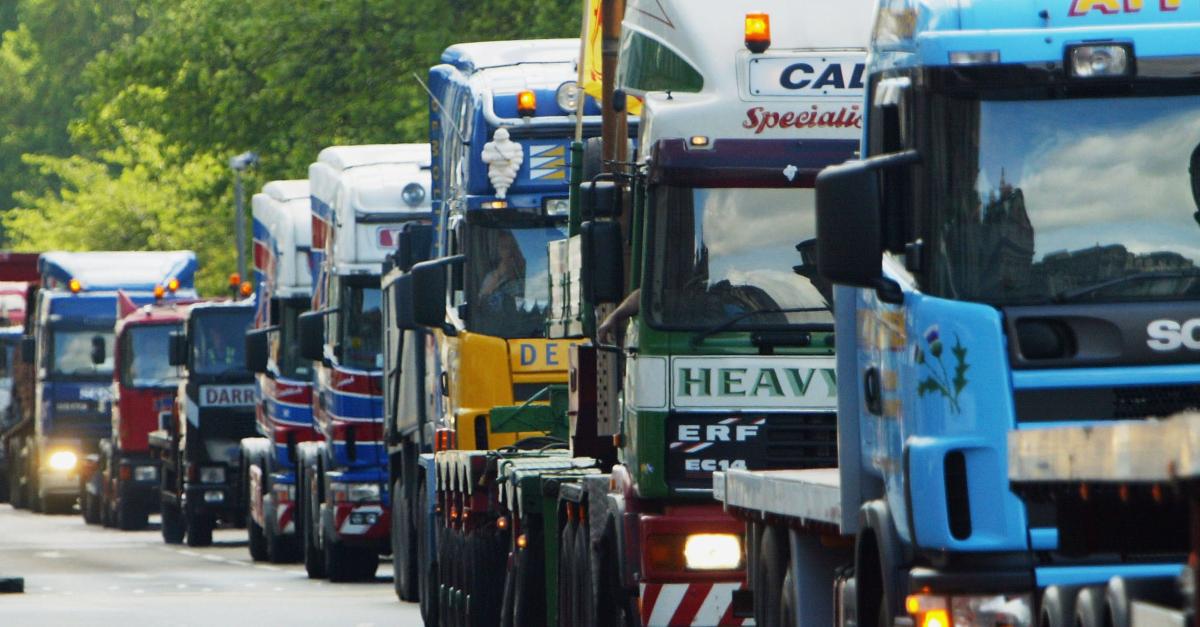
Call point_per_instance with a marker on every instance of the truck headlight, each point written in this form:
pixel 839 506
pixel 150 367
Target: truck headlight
pixel 983 610
pixel 212 474
pixel 63 460
pixel 557 206
pixel 355 492
pixel 145 473
pixel 712 551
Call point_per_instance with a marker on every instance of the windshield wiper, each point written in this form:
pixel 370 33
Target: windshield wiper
pixel 725 326
pixel 1069 296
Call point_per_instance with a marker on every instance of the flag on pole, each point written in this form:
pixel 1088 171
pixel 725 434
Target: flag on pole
pixel 593 64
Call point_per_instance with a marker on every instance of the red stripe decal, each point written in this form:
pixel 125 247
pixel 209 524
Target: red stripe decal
pixel 728 619
pixel 690 604
pixel 649 598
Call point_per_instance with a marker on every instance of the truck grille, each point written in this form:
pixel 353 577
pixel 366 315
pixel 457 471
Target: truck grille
pixel 1121 403
pixel 699 444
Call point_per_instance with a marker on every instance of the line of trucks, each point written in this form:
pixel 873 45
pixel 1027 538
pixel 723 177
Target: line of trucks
pixel 834 313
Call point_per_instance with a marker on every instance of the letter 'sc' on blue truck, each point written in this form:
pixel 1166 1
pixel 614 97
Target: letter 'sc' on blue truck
pixel 67 397
pixel 1017 271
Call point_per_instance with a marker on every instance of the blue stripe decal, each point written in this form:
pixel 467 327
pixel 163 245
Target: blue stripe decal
pixel 1105 377
pixel 1088 575
pixel 356 406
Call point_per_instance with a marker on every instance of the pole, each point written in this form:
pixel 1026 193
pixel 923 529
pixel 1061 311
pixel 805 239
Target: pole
pixel 241 224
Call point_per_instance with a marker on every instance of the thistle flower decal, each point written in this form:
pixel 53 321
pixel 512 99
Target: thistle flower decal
pixel 937 376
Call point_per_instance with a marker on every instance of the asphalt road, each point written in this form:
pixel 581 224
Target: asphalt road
pixel 83 575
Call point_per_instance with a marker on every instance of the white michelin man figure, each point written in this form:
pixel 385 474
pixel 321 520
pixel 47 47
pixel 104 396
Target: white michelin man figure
pixel 503 157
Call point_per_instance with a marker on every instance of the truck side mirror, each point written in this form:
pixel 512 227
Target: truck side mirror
pixel 600 199
pixel 429 293
pixel 850 238
pixel 311 334
pixel 177 348
pixel 603 272
pixel 99 350
pixel 405 317
pixel 256 349
pixel 28 349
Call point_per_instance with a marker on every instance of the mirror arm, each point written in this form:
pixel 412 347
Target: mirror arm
pixel 449 329
pixel 889 291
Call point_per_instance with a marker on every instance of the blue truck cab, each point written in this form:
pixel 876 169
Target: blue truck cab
pixel 1028 177
pixel 71 346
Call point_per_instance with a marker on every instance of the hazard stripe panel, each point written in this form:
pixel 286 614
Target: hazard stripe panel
pixel 690 605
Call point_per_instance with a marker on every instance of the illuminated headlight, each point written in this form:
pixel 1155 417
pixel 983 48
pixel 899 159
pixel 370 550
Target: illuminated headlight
pixel 712 551
pixel 145 473
pixel 557 206
pixel 1100 61
pixel 970 610
pixel 212 474
pixel 355 492
pixel 495 204
pixel 413 194
pixel 567 96
pixel 63 460
pixel 213 496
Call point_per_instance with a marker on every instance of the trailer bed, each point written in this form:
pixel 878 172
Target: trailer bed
pixel 1130 451
pixel 810 495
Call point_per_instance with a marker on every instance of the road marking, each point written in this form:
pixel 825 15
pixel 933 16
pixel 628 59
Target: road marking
pixel 215 558
pixel 50 555
pixel 277 589
pixel 206 589
pixel 271 568
pixel 181 586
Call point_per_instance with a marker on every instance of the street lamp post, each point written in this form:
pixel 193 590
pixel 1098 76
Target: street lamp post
pixel 239 164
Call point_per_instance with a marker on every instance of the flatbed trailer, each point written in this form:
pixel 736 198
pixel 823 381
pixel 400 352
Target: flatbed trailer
pixel 1129 486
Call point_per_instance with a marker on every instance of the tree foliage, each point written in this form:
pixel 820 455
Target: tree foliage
pixel 121 114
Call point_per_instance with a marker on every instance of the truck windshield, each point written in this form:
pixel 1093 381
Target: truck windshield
pixel 144 357
pixel 1083 200
pixel 71 352
pixel 362 324
pixel 720 254
pixel 508 280
pixel 218 341
pixel 288 348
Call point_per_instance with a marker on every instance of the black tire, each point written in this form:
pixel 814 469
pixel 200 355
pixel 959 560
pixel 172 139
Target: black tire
pixel 404 558
pixel 1090 608
pixel 256 539
pixel 567 610
pixel 33 496
pixel 770 572
pixel 89 507
pixel 199 529
pixel 1058 607
pixel 584 602
pixel 16 492
pixel 130 517
pixel 615 607
pixel 349 563
pixel 173 528
pixel 281 548
pixel 427 566
pixel 314 556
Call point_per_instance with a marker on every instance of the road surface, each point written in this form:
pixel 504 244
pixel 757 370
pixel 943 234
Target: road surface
pixel 85 575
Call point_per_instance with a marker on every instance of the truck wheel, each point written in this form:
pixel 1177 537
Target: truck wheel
pixel 130 517
pixel 281 548
pixel 90 507
pixel 256 539
pixel 173 528
pixel 427 567
pixel 199 529
pixel 1090 610
pixel 615 607
pixel 566 575
pixel 770 570
pixel 16 491
pixel 314 557
pixel 583 574
pixel 404 563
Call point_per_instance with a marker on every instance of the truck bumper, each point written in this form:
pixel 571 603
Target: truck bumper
pixel 357 524
pixel 670 595
pixel 279 505
pixel 58 482
pixel 218 499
